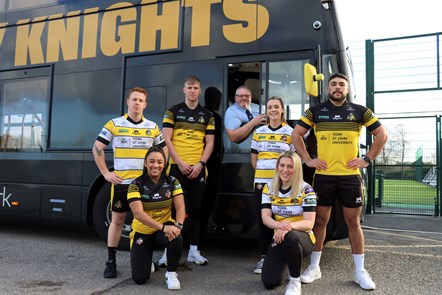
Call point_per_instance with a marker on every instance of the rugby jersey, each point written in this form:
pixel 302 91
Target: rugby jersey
pixel 130 142
pixel 285 208
pixel 189 129
pixel 337 130
pixel 269 143
pixel 156 199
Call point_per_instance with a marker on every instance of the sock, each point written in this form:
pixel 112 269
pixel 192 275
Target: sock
pixel 359 261
pixel 193 248
pixel 315 258
pixel 298 279
pixel 111 252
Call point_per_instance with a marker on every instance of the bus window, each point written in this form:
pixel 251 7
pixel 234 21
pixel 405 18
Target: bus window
pixel 26 4
pixel 2 5
pixel 24 113
pixel 286 80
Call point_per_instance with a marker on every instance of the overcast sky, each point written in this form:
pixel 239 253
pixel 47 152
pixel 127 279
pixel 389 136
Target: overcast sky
pixel 377 19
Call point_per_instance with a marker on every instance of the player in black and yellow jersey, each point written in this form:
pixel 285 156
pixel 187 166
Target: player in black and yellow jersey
pixel 337 124
pixel 188 130
pixel 131 136
pixel 151 198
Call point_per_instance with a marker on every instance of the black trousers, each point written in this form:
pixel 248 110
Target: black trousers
pixel 142 250
pixel 265 234
pixel 296 245
pixel 193 196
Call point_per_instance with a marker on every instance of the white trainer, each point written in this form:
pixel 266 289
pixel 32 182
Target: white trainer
pixel 310 274
pixel 294 287
pixel 197 258
pixel 163 260
pixel 363 279
pixel 172 280
pixel 259 265
pixel 152 268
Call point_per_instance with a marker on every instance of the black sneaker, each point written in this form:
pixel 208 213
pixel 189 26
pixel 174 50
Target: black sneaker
pixel 110 271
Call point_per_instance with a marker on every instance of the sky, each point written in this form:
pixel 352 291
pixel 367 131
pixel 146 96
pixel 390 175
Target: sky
pixel 377 19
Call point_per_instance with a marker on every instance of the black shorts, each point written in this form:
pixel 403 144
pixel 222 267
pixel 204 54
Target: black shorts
pixel 119 198
pixel 346 189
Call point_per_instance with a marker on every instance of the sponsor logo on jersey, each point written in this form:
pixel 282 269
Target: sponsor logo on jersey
pixel 181 117
pixel 337 117
pixel 272 137
pixel 324 109
pixel 136 132
pixel 350 109
pixel 156 196
pixel 123 131
pixel 191 119
pixel 324 117
pixel 308 190
pixel 323 137
pixel 104 132
pixel 261 137
pixel 181 111
pixel 358 200
pixel 309 201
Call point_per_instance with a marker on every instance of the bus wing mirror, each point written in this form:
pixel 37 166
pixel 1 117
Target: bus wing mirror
pixel 311 78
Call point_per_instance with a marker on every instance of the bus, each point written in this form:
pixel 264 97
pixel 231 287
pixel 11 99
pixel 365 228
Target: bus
pixel 66 66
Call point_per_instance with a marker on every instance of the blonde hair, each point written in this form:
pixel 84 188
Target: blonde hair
pixel 282 107
pixel 296 181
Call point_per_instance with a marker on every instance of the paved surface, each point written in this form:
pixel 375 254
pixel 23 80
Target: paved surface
pixel 403 255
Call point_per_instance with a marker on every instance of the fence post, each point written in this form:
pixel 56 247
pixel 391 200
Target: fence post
pixel 369 101
pixel 438 166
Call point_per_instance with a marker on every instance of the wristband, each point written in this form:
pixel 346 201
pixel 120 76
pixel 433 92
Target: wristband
pixel 179 225
pixel 164 226
pixel 366 159
pixel 202 163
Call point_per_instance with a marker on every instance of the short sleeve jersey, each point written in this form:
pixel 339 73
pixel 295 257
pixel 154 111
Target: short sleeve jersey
pixel 156 199
pixel 189 129
pixel 130 142
pixel 337 130
pixel 286 208
pixel 269 143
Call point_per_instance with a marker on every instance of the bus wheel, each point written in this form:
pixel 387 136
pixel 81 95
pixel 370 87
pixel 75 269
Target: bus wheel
pixel 101 215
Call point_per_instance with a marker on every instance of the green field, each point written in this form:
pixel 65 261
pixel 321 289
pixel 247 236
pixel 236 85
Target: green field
pixel 406 192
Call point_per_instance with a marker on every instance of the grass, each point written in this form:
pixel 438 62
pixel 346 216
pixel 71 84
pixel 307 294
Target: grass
pixel 407 192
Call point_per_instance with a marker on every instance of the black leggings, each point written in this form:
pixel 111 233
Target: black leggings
pixel 265 234
pixel 193 197
pixel 296 245
pixel 142 250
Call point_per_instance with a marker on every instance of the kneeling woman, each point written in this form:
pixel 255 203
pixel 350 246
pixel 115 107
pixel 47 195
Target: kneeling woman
pixel 289 208
pixel 150 198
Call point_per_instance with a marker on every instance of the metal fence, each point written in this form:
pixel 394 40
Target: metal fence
pixel 403 87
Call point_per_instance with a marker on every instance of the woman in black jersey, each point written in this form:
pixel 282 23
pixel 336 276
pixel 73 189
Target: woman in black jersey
pixel 289 208
pixel 151 197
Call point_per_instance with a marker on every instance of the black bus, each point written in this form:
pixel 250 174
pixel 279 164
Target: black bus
pixel 66 65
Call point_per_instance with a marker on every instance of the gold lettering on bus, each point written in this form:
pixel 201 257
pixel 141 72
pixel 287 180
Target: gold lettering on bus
pixel 168 23
pixel 201 12
pixel 29 41
pixel 63 35
pixel 90 33
pixel 254 20
pixel 118 29
pixel 2 32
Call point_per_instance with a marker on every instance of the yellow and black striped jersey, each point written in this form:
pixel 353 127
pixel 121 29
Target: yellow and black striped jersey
pixel 189 129
pixel 269 143
pixel 130 142
pixel 286 208
pixel 156 199
pixel 337 130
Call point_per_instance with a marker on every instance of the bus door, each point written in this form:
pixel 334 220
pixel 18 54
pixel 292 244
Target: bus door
pixel 280 75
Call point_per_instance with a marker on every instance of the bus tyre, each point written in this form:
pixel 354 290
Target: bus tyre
pixel 102 216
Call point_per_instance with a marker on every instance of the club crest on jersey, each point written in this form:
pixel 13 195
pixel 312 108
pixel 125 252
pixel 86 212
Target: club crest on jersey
pixel 148 132
pixel 167 194
pixel 283 138
pixel 351 117
pixel 201 120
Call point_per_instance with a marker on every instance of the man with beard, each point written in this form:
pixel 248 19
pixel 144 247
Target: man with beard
pixel 337 124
